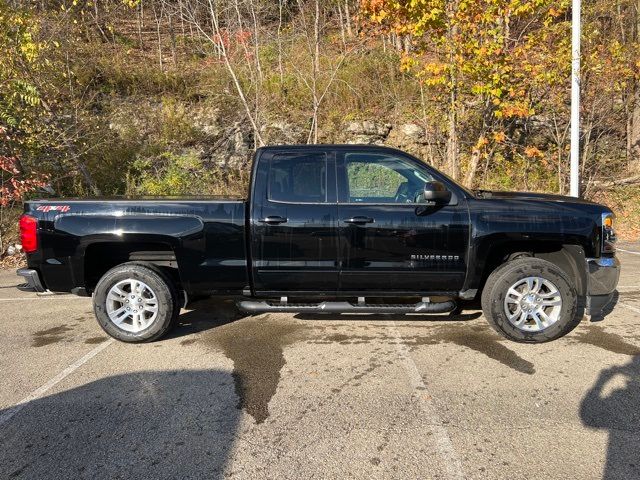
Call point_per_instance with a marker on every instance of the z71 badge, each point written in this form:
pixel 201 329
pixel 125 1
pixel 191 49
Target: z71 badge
pixel 53 208
pixel 436 257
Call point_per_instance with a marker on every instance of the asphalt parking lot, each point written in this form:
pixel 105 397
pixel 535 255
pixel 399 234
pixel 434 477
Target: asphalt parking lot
pixel 284 396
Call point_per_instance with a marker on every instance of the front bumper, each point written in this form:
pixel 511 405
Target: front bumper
pixel 603 275
pixel 33 280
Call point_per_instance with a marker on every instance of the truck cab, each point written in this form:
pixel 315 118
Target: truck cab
pixel 354 221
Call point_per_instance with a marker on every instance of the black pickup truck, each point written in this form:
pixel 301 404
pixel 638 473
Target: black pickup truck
pixel 330 229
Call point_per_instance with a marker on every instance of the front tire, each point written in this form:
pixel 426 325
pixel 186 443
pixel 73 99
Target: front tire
pixel 530 300
pixel 135 303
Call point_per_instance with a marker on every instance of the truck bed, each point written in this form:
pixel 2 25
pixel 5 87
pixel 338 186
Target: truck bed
pixel 82 237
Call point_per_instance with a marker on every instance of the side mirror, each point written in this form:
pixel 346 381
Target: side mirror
pixel 436 192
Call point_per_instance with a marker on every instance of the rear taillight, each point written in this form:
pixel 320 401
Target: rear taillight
pixel 28 233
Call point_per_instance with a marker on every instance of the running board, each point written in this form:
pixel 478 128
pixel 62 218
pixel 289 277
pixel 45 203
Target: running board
pixel 255 306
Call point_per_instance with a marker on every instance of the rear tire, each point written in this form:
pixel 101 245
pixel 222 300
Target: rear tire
pixel 530 300
pixel 134 302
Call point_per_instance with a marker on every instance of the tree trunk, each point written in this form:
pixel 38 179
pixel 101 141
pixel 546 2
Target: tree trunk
pixel 342 27
pixel 172 33
pixel 140 15
pixel 473 167
pixel 633 132
pixel 633 123
pixel 316 70
pixel 452 137
pixel 256 40
pixel 158 18
pixel 347 15
pixel 280 68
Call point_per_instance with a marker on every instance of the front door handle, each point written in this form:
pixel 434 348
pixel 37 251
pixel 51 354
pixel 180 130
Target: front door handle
pixel 273 220
pixel 359 220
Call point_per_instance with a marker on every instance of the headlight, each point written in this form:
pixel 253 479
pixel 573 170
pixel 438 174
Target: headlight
pixel 608 233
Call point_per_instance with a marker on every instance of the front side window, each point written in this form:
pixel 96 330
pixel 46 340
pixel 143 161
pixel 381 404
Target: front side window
pixel 382 178
pixel 298 179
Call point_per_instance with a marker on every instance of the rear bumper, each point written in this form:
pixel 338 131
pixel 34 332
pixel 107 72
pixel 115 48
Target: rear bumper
pixel 603 274
pixel 33 280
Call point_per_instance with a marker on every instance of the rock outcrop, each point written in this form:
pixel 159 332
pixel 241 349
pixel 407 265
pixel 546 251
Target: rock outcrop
pixel 205 129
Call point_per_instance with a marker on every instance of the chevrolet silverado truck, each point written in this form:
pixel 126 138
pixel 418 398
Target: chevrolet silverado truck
pixel 330 229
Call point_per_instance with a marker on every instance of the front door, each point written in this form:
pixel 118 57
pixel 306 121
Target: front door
pixel 392 241
pixel 294 241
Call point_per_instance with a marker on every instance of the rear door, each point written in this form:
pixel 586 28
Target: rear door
pixel 391 240
pixel 294 243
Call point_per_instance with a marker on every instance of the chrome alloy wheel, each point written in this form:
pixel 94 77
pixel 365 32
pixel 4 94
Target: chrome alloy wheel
pixel 132 305
pixel 533 304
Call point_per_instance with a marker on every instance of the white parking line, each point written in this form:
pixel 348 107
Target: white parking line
pixel 420 393
pixel 47 297
pixel 633 309
pixel 627 251
pixel 39 392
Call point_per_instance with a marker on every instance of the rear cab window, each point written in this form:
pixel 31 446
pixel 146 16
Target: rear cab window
pixel 298 178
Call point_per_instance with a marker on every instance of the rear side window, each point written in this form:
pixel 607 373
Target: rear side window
pixel 298 178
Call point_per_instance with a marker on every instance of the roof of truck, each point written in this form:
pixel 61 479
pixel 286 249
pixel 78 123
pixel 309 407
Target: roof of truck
pixel 140 198
pixel 324 146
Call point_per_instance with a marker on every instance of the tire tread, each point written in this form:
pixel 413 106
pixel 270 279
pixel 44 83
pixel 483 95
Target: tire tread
pixel 491 292
pixel 159 277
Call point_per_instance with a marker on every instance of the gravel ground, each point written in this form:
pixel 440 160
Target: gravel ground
pixel 284 396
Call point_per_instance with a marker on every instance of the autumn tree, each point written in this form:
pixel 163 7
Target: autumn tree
pixel 33 109
pixel 472 57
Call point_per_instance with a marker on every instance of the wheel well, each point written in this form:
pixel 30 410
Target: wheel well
pixel 101 257
pixel 569 258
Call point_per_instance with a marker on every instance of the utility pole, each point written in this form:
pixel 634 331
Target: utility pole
pixel 576 29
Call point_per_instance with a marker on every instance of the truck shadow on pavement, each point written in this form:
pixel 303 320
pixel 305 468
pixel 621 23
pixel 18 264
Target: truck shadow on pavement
pixel 170 424
pixel 205 314
pixel 612 404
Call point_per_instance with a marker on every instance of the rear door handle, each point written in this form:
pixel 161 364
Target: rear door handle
pixel 273 220
pixel 359 220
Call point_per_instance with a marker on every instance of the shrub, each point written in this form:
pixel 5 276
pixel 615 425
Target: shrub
pixel 184 174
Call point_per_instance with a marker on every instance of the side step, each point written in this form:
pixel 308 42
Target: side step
pixel 256 306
